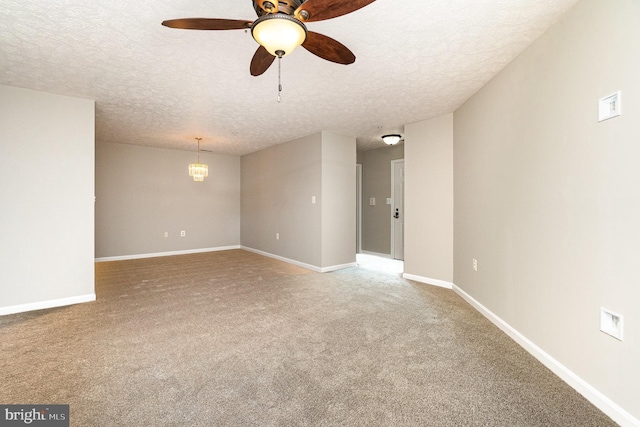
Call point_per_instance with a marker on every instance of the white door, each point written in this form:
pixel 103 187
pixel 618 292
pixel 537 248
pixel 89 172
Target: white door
pixel 397 209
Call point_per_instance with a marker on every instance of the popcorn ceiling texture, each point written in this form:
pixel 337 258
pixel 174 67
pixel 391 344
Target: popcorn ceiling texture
pixel 163 87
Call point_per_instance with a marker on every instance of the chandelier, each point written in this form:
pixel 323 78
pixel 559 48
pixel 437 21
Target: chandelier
pixel 198 170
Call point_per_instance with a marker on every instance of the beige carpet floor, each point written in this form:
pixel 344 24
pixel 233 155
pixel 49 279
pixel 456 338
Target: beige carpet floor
pixel 236 339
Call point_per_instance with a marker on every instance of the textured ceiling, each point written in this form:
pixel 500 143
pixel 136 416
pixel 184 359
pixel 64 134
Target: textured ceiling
pixel 163 87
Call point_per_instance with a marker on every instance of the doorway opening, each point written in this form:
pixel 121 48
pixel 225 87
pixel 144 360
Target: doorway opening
pixel 382 264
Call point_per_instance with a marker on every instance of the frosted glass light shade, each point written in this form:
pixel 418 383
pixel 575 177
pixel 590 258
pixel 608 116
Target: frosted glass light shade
pixel 279 32
pixel 198 171
pixel 391 139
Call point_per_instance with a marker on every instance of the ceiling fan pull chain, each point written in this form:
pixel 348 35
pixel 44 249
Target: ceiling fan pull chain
pixel 279 76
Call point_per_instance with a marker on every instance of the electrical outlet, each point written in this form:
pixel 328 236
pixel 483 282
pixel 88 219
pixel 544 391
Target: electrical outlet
pixel 475 264
pixel 183 233
pixel 166 234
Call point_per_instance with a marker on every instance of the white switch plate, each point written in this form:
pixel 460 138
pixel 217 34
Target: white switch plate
pixel 475 264
pixel 277 236
pixel 372 201
pixel 610 106
pixel 389 200
pixel 313 199
pixel 611 323
pixel 166 234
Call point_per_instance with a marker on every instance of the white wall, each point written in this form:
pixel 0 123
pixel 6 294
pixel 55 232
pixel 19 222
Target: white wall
pixel 141 192
pixel 47 200
pixel 428 233
pixel 548 199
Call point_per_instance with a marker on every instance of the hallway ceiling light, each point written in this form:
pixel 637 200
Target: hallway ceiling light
pixel 391 139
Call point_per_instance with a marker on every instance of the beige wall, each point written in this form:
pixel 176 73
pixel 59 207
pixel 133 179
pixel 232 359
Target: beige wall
pixel 141 192
pixel 548 199
pixel 46 198
pixel 376 182
pixel 278 184
pixel 428 233
pixel 338 200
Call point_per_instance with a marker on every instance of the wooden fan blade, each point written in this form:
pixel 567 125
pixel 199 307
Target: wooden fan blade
pixel 328 48
pixel 207 24
pixel 261 61
pixel 319 10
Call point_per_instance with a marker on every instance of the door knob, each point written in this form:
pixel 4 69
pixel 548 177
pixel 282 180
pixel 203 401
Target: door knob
pixel 397 214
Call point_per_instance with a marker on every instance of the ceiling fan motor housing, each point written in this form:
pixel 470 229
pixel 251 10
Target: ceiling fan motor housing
pixel 284 6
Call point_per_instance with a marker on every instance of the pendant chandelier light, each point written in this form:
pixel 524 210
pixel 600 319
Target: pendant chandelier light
pixel 198 170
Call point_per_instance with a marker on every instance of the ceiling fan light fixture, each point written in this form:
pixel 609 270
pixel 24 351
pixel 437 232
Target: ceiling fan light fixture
pixel 279 33
pixel 391 139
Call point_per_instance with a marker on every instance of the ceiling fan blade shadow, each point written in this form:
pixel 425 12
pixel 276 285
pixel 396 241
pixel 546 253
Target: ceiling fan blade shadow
pixel 319 10
pixel 328 48
pixel 207 24
pixel 261 61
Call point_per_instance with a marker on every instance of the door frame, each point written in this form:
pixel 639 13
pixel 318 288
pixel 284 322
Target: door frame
pixel 358 208
pixel 393 206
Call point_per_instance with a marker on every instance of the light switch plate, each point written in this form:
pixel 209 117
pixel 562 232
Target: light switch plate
pixel 610 106
pixel 611 323
pixel 372 201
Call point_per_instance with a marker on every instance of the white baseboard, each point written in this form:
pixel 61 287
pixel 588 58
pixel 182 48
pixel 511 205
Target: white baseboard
pixel 160 254
pixel 298 263
pixel 606 405
pixel 428 281
pixel 41 305
pixel 337 267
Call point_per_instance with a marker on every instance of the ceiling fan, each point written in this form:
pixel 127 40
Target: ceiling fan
pixel 280 28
